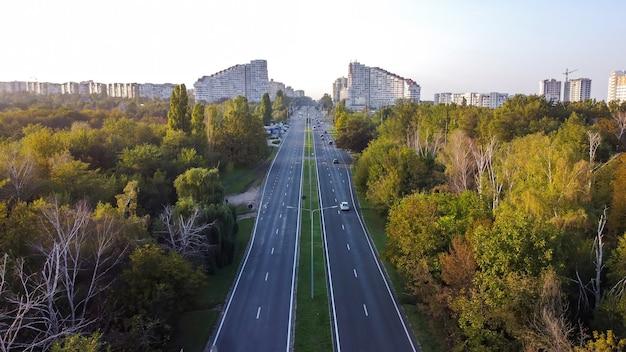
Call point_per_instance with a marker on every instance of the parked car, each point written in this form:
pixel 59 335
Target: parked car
pixel 330 142
pixel 344 206
pixel 335 161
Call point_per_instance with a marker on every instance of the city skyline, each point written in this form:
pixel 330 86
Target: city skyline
pixel 437 45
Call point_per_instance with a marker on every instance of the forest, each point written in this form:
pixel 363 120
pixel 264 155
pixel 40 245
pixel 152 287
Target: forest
pixel 507 225
pixel 112 214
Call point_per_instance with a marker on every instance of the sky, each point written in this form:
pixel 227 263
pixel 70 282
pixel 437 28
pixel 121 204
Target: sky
pixel 444 45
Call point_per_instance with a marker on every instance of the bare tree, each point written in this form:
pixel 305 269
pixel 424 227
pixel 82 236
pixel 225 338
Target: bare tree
pixel 185 235
pixel 598 248
pixel 594 142
pixel 594 284
pixel 484 156
pixel 460 166
pixel 424 144
pixel 550 329
pixel 48 304
pixel 19 170
pixel 619 118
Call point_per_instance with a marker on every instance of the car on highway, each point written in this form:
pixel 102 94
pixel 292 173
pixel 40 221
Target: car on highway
pixel 344 206
pixel 335 161
pixel 330 142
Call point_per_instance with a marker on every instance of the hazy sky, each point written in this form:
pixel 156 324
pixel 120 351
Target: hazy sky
pixel 444 45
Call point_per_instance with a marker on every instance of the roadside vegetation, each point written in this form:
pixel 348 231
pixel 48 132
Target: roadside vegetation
pixel 114 232
pixel 505 226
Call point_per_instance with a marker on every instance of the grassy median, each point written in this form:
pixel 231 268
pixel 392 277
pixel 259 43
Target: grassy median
pixel 312 313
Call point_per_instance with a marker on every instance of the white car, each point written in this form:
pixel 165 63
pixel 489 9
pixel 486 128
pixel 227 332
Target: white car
pixel 344 206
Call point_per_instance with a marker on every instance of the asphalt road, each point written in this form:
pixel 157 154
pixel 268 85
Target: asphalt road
pixel 259 313
pixel 364 312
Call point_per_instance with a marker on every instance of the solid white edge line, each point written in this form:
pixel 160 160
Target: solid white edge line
pixel 295 254
pixel 245 261
pixel 330 277
pixel 380 270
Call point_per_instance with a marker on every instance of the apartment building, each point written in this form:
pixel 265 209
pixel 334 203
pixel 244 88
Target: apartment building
pixel 550 89
pixel 617 86
pixel 578 89
pixel 248 80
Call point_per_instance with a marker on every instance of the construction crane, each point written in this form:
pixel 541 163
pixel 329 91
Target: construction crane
pixel 567 73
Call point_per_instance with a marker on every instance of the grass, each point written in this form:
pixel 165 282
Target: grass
pixel 312 314
pixel 194 328
pixel 429 337
pixel 238 180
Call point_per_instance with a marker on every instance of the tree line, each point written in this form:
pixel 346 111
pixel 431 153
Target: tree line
pixel 507 225
pixel 112 219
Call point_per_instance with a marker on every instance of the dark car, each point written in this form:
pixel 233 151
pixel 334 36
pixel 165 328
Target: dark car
pixel 330 142
pixel 335 161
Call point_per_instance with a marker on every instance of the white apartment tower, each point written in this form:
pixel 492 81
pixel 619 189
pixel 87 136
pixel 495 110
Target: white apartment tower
pixel 550 89
pixel 617 86
pixel 373 87
pixel 578 89
pixel 248 80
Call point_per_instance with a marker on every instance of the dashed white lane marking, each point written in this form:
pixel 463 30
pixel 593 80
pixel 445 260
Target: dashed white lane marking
pixel 258 312
pixel 338 211
pixel 333 190
pixel 266 275
pixel 335 200
pixel 272 253
pixel 348 246
pixel 285 193
pixel 354 272
pixel 280 215
pixel 342 227
pixel 283 204
pixel 364 309
pixel 277 231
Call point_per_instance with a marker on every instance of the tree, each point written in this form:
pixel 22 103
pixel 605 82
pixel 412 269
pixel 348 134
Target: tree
pixel 158 284
pixel 198 127
pixel 355 133
pixel 178 117
pixel 279 107
pixel 265 109
pixel 78 343
pixel 326 102
pixel 201 185
pixel 458 161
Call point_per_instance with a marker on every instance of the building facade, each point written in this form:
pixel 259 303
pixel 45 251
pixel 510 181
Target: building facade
pixel 156 91
pixel 248 80
pixel 617 86
pixel 123 90
pixel 550 89
pixel 578 89
pixel 374 88
pixel 486 100
pixel 340 84
pixel 273 87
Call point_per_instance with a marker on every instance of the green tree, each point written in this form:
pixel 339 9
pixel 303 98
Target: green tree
pixel 265 109
pixel 178 117
pixel 326 102
pixel 202 186
pixel 355 132
pixel 198 127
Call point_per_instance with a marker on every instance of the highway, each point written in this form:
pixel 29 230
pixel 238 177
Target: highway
pixel 259 312
pixel 364 313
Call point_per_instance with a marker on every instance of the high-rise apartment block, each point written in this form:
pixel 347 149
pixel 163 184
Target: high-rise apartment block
pixel 248 80
pixel 617 86
pixel 550 89
pixel 374 88
pixel 488 100
pixel 340 85
pixel 274 87
pixel 578 89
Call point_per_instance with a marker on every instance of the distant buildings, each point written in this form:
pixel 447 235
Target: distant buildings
pixel 550 89
pixel 578 89
pixel 374 88
pixel 248 80
pixel 156 91
pixel 274 87
pixel 617 86
pixel 116 90
pixel 340 86
pixel 488 100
